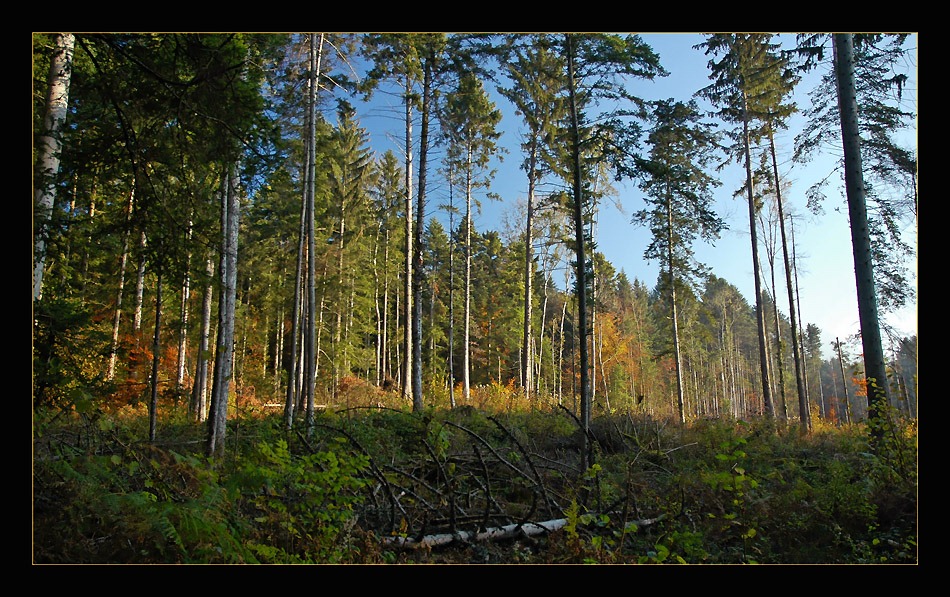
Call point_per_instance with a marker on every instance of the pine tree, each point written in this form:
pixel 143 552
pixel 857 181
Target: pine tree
pixel 679 192
pixel 741 69
pixel 469 121
pixel 592 64
pixel 533 66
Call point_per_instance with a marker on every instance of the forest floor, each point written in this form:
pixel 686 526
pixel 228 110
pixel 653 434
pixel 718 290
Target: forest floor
pixel 371 485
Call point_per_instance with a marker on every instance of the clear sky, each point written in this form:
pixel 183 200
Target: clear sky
pixel 823 243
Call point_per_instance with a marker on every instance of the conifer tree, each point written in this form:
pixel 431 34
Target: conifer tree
pixel 741 69
pixel 678 190
pixel 533 66
pixel 887 107
pixel 469 121
pixel 593 64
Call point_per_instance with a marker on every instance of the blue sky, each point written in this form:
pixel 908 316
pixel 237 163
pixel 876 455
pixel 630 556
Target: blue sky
pixel 823 243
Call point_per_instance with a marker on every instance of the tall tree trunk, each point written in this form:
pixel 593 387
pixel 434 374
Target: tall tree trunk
pixel 384 352
pixel 117 318
pixel 183 330
pixel 407 391
pixel 680 399
pixel 581 257
pixel 560 354
pixel 224 355
pixel 156 359
pixel 801 330
pixel 467 314
pixel 50 148
pixel 377 357
pixel 451 294
pixel 139 286
pixel 527 339
pixel 296 315
pixel 779 352
pixel 310 351
pixel 759 307
pixel 874 364
pixel 417 403
pixel 199 393
pixel 804 413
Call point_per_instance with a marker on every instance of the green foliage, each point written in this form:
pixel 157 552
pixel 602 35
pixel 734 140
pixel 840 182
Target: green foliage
pixel 712 492
pixel 66 353
pixel 137 505
pixel 301 505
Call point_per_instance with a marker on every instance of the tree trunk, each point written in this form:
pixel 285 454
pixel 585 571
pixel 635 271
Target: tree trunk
pixel 139 286
pixel 581 257
pixel 224 355
pixel 779 352
pixel 467 315
pixel 183 330
pixel 117 318
pixel 417 402
pixel 156 359
pixel 292 397
pixel 407 272
pixel 680 400
pixel 310 350
pixel 759 310
pixel 451 294
pixel 199 393
pixel 50 148
pixel 804 413
pixel 526 344
pixel 874 364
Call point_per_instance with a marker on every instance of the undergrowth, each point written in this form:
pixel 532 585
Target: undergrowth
pixel 375 483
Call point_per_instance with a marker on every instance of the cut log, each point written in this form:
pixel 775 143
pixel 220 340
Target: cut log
pixel 509 531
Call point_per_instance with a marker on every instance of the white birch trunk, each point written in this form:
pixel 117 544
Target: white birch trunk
pixel 50 148
pixel 224 355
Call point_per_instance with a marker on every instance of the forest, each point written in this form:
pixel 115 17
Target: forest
pixel 257 339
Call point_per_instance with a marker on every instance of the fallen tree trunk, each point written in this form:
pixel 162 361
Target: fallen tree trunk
pixel 509 531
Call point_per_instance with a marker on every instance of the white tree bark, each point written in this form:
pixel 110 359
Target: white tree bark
pixel 50 147
pixel 224 355
pixel 509 531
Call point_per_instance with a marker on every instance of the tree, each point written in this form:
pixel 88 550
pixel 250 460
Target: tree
pixel 535 70
pixel 880 71
pixel 593 62
pixel 874 365
pixel 469 121
pixel 49 147
pixel 743 90
pixel 396 55
pixel 431 49
pixel 679 193
pixel 223 363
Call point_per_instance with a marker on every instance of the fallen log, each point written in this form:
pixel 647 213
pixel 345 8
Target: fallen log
pixel 509 531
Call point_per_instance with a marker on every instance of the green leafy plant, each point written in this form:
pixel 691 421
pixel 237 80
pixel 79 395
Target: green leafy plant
pixel 302 505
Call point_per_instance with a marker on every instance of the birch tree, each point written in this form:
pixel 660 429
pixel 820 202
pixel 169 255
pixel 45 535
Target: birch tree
pixel 49 148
